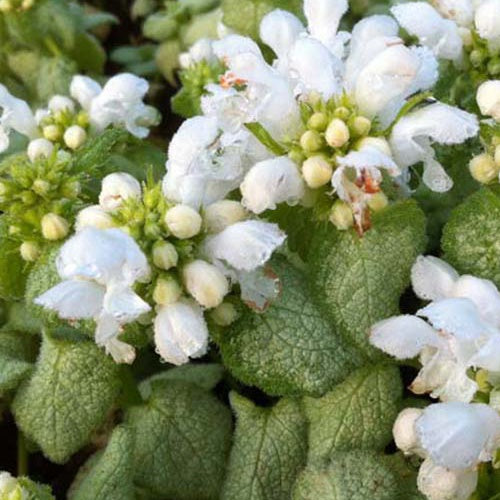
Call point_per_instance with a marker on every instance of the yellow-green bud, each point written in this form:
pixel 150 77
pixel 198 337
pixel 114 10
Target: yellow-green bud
pixel 297 156
pixel 41 187
pixel 497 156
pixel 378 201
pixel 167 291
pixel 30 251
pixel 342 112
pixel 494 66
pixel 361 126
pixel 314 98
pixel 311 141
pixel 82 119
pixel 75 136
pixel 483 168
pixel 28 197
pixel 477 57
pixel 224 315
pixel 341 215
pixel 54 227
pixel 52 132
pixel 482 379
pixel 71 189
pixel 222 214
pixel 317 171
pixel 337 133
pixel 165 255
pixel 318 122
pixel 183 221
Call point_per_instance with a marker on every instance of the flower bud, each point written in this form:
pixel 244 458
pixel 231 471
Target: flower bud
pixel 318 122
pixel 487 19
pixel 39 148
pixel 341 215
pixel 311 141
pixel 54 227
pixel 183 221
pixel 224 315
pixel 478 57
pixel 52 132
pixel 337 133
pixel 361 126
pixel 222 214
pixel 205 283
pixel 74 137
pixel 165 255
pixel 378 201
pixel 27 4
pixel 116 188
pixel 494 66
pixel 93 216
pixel 342 112
pixel 317 171
pixel 404 432
pixel 83 119
pixel 8 486
pixel 41 187
pixel 30 251
pixel 60 103
pixel 497 156
pixel 488 99
pixel 167 291
pixel 375 142
pixel 483 168
pixel 5 6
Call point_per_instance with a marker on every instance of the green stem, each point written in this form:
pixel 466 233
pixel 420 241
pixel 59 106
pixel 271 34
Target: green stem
pixel 52 46
pixel 22 455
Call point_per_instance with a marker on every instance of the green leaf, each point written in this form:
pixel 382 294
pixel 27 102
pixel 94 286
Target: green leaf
pixel 21 319
pixel 359 413
pixel 54 77
pixel 359 280
pixel 291 348
pixel 71 392
pixel 167 60
pixel 17 355
pixel 89 54
pixel 108 474
pixel 265 138
pixel 354 475
pixel 183 437
pixel 471 239
pixel 12 266
pixel 270 449
pixel 244 16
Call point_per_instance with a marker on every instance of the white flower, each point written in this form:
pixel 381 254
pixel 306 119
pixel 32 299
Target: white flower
pixel 487 20
pixel 461 11
pixel 180 332
pixel 441 483
pixel 323 17
pixel 271 182
pixel 39 148
pixel 413 135
pixel 488 99
pixel 60 103
pixel 201 51
pixel 15 115
pixel 423 21
pixel 99 269
pixel 84 90
pixel 93 216
pixel 116 188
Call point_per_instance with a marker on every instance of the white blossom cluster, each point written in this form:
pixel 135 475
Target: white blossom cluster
pixel 68 120
pixel 456 339
pixel 370 74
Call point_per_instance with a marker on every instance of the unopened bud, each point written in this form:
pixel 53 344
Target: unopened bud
pixel 361 126
pixel 75 136
pixel 497 156
pixel 41 187
pixel 477 57
pixel 9 486
pixel 83 119
pixel 39 148
pixel 337 133
pixel 54 227
pixel 318 122
pixel 341 215
pixel 494 66
pixel 167 291
pixel 116 188
pixel 61 103
pixel 378 201
pixel 165 255
pixel 317 171
pixel 342 112
pixel 488 99
pixel 222 214
pixel 71 189
pixel 375 142
pixel 311 141
pixel 183 221
pixel 30 251
pixel 404 431
pixel 27 4
pixel 93 216
pixel 52 132
pixel 224 315
pixel 483 168
pixel 206 283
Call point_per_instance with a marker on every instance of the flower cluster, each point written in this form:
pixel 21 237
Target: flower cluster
pixel 187 261
pixel 457 340
pixel 322 125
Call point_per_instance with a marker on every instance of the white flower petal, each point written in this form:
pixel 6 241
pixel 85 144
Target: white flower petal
pixel 435 176
pixel 123 304
pixel 271 182
pixel 116 188
pixel 16 114
pixel 107 328
pixel 84 89
pixel 457 434
pixel 180 332
pixel 121 352
pixel 259 288
pixel 460 11
pixel 428 72
pixel 433 278
pixel 280 29
pixel 488 357
pixel 74 299
pixel 487 19
pixel 245 245
pixel 323 18
pixel 403 337
pixel 234 45
pixel 369 157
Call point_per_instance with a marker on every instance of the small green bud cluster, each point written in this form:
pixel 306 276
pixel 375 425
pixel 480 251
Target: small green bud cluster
pixel 485 167
pixel 39 199
pixel 10 489
pixel 484 61
pixel 15 5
